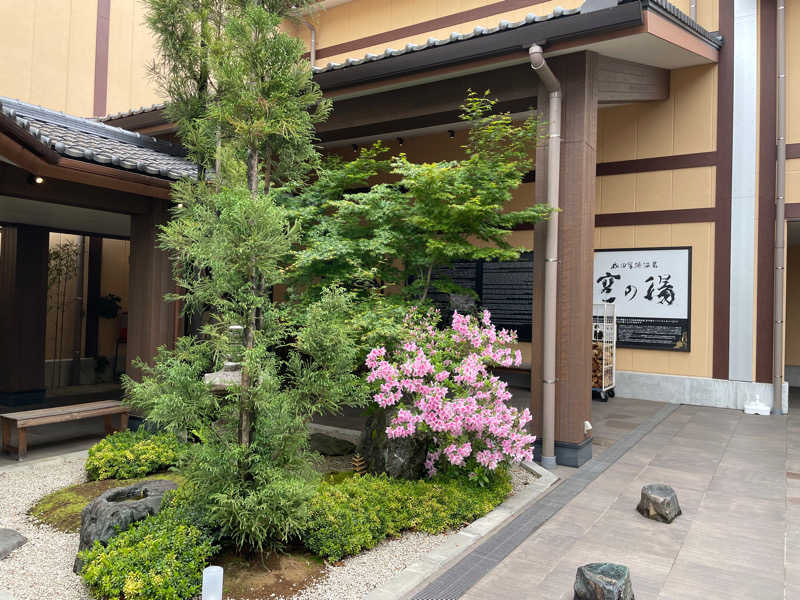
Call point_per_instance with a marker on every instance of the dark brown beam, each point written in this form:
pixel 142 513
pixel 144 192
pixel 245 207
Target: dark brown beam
pixel 414 107
pixel 16 182
pixel 94 267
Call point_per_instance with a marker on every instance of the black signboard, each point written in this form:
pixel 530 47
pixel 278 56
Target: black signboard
pixel 504 288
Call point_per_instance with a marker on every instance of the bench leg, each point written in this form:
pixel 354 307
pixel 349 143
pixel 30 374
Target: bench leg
pixel 123 422
pixel 6 446
pixel 109 426
pixel 22 443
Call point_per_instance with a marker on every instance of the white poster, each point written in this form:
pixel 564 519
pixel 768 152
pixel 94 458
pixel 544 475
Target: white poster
pixel 651 288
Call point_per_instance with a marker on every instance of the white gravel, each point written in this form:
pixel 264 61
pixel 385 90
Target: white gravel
pixel 42 568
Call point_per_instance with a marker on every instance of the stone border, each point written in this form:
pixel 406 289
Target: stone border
pixel 461 543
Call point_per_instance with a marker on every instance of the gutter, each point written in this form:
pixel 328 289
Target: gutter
pixel 312 56
pixel 553 87
pixel 780 224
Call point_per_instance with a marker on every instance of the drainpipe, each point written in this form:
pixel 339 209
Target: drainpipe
pixel 553 87
pixel 313 49
pixel 693 10
pixel 780 192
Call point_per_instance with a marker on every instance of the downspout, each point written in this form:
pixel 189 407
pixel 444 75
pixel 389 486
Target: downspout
pixel 553 87
pixel 693 10
pixel 313 50
pixel 780 225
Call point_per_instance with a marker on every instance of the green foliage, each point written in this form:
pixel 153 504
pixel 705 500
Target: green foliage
pixel 159 558
pixel 171 392
pixel 353 514
pixel 130 454
pixel 430 215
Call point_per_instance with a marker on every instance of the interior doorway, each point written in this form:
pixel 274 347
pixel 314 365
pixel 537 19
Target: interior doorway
pixel 792 332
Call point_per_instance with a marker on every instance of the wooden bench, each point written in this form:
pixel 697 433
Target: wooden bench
pixel 21 421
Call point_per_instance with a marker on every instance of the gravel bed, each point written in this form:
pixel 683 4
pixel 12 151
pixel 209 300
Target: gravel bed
pixel 42 568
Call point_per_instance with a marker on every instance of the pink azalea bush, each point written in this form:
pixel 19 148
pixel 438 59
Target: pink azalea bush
pixel 442 386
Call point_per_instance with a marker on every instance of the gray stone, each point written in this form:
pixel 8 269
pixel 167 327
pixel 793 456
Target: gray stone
pixel 221 381
pixel 402 458
pixel 659 503
pixel 327 445
pixel 117 509
pixel 10 540
pixel 603 581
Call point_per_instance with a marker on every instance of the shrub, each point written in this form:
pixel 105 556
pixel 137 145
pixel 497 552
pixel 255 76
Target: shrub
pixel 129 454
pixel 159 558
pixel 353 514
pixel 441 382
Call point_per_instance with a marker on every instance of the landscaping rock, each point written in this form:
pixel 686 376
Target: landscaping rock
pixel 603 581
pixel 10 540
pixel 659 503
pixel 115 510
pixel 327 445
pixel 402 458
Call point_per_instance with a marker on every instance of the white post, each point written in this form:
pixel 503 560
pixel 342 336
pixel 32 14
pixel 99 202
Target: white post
pixel 212 583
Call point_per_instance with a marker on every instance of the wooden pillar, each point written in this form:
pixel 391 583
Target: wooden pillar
pixel 150 317
pixel 23 313
pixel 578 76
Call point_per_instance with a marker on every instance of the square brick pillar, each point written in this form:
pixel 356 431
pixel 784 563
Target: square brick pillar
pixel 151 320
pixel 24 252
pixel 578 76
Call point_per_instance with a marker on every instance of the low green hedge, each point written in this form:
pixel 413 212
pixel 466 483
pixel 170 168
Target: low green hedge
pixel 353 514
pixel 129 454
pixel 159 558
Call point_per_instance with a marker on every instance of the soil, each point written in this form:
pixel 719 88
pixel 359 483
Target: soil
pixel 268 575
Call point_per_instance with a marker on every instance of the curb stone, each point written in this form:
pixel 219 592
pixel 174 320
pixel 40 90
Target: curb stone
pixel 461 543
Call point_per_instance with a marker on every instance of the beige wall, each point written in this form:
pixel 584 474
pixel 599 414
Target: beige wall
pixel 47 52
pixel 131 50
pixel 700 236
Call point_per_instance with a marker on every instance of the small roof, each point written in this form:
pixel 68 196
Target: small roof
pixel 588 7
pixel 89 140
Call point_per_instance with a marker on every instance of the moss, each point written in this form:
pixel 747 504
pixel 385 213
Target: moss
pixel 62 509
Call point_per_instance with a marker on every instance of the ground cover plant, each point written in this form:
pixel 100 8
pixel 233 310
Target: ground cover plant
pixel 351 513
pixel 159 558
pixel 132 454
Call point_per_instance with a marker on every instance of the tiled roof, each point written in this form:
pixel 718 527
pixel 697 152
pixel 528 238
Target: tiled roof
pixel 557 13
pixel 85 139
pixel 134 111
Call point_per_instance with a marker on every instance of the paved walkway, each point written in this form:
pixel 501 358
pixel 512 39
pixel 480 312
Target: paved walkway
pixel 738 482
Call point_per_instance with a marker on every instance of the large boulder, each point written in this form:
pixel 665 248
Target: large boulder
pixel 402 458
pixel 10 540
pixel 117 509
pixel 659 502
pixel 327 445
pixel 603 581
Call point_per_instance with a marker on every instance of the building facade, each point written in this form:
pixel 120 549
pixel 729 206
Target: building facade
pixel 668 142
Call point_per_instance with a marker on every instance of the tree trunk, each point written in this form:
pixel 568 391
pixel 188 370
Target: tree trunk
pixel 252 171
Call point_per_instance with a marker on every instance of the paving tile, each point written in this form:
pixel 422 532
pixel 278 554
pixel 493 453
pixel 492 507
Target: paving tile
pixel 691 581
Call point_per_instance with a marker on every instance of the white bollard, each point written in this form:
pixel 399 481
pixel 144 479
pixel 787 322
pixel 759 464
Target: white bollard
pixel 212 583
